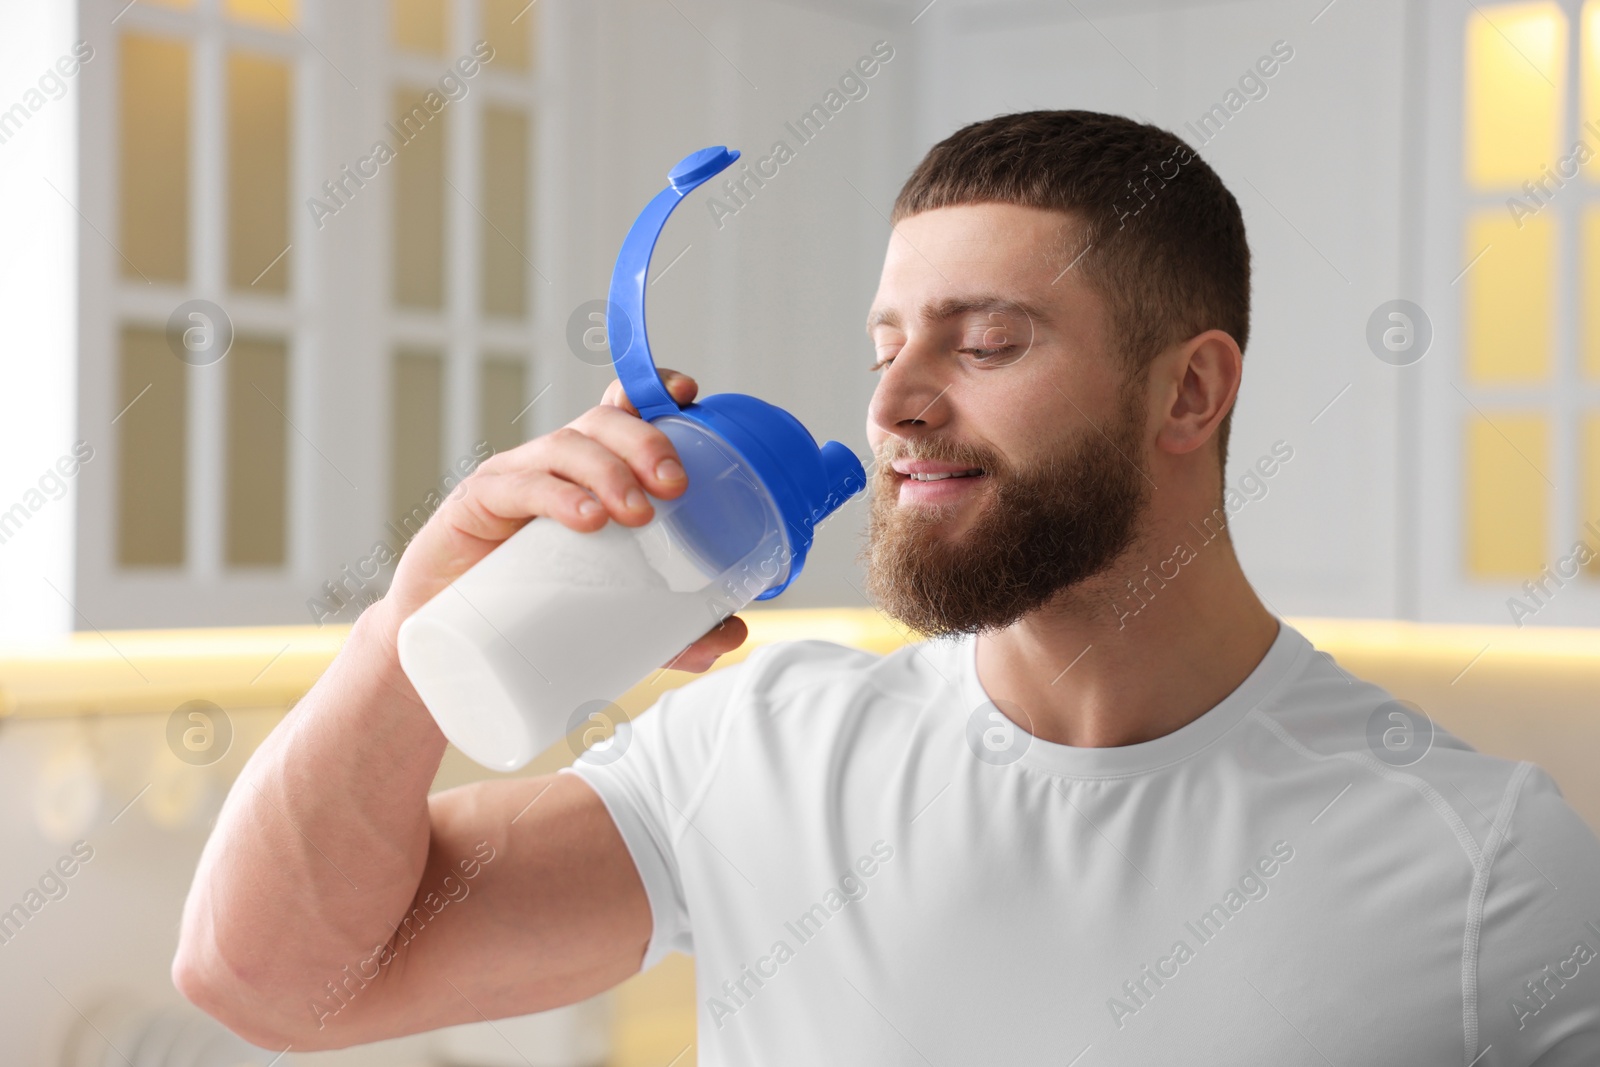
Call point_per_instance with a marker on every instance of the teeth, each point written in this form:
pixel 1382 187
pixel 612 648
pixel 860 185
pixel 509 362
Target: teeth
pixel 943 475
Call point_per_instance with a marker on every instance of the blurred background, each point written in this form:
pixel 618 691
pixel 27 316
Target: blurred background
pixel 277 273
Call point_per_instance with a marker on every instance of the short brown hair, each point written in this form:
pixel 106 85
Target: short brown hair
pixel 1166 241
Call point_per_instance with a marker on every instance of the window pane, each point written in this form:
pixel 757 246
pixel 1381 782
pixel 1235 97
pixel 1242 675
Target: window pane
pixel 154 122
pixel 1589 497
pixel 416 437
pixel 418 25
pixel 258 172
pixel 1507 499
pixel 1589 282
pixel 258 452
pixel 418 201
pixel 502 383
pixel 1509 297
pixel 1515 71
pixel 505 211
pixel 1589 60
pixel 508 27
pixel 273 14
pixel 152 401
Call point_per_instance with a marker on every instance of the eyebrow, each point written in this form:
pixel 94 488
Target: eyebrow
pixel 954 306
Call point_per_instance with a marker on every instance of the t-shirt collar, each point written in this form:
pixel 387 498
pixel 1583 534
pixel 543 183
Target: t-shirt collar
pixel 1282 660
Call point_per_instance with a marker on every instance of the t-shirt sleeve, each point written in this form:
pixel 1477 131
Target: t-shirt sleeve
pixel 1538 968
pixel 649 778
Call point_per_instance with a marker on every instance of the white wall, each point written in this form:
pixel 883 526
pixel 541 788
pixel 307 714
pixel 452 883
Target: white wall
pixel 38 278
pixel 771 302
pixel 1316 168
pixel 1331 168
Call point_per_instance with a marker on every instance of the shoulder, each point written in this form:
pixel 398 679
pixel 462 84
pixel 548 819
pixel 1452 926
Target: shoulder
pixel 770 674
pixel 774 676
pixel 779 673
pixel 784 666
pixel 790 703
pixel 1324 712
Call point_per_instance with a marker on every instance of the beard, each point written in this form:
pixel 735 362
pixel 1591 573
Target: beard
pixel 1042 529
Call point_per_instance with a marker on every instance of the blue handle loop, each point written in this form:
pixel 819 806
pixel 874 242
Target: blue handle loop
pixel 625 324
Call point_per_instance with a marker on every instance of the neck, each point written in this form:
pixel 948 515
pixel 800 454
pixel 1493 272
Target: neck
pixel 1138 652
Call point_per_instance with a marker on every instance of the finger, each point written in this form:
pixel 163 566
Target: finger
pixel 649 453
pixel 572 454
pixel 719 641
pixel 510 487
pixel 496 504
pixel 680 387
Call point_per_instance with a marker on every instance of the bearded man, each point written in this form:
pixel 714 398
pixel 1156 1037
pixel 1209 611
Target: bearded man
pixel 1112 811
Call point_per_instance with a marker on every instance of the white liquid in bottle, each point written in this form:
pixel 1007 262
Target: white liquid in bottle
pixel 512 654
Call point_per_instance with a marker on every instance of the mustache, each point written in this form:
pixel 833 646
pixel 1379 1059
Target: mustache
pixel 937 450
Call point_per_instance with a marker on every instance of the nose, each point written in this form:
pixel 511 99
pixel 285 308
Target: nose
pixel 910 398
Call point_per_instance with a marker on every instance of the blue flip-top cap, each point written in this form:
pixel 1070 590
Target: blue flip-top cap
pixel 806 483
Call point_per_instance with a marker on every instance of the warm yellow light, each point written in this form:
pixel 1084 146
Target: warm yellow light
pixel 1589 291
pixel 419 25
pixel 419 197
pixel 153 114
pixel 503 236
pixel 1505 493
pixel 1589 497
pixel 257 456
pixel 1589 84
pixel 1508 296
pixel 1515 74
pixel 273 14
pixel 509 27
pixel 260 92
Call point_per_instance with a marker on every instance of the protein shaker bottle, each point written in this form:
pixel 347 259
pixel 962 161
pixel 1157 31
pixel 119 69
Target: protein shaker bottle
pixel 511 656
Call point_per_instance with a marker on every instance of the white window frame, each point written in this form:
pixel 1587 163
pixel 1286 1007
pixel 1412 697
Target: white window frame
pixel 1444 397
pixel 340 325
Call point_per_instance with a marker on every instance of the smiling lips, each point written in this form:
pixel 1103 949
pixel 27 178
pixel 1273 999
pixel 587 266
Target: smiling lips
pixel 928 471
pixel 926 481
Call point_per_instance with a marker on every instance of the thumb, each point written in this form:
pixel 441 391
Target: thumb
pixel 680 387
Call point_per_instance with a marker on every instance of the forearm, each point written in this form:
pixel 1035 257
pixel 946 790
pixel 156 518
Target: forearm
pixel 324 843
pixel 321 845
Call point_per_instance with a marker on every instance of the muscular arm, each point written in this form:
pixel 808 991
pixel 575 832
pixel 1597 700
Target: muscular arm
pixel 336 902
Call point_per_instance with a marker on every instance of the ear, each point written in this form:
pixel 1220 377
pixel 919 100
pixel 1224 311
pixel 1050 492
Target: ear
pixel 1198 381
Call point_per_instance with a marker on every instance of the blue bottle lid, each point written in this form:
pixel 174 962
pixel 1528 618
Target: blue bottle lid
pixel 805 482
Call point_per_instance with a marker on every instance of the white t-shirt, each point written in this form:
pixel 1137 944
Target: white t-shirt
pixel 871 866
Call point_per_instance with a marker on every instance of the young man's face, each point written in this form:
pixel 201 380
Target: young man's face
pixel 996 368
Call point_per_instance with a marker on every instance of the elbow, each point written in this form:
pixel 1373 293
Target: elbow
pixel 263 1018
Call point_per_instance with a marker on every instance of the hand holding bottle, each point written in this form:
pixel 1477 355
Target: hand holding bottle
pixel 592 471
